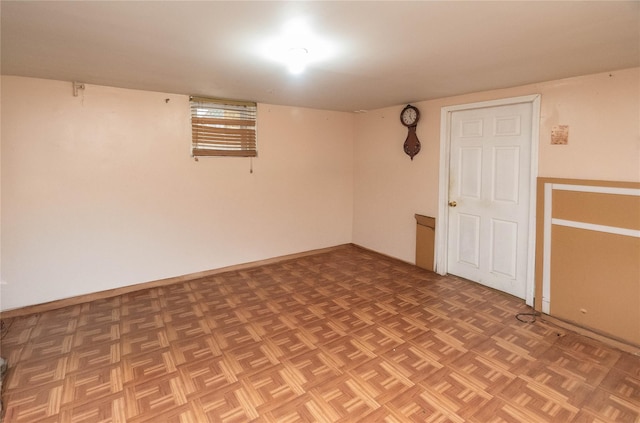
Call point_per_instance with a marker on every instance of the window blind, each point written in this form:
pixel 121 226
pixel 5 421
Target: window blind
pixel 223 127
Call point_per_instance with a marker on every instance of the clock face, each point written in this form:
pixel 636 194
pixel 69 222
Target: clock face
pixel 409 116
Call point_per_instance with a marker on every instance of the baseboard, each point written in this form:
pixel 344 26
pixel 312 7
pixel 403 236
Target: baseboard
pixel 80 299
pixel 589 333
pixel 369 250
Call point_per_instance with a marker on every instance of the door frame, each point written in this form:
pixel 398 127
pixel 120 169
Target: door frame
pixel 442 224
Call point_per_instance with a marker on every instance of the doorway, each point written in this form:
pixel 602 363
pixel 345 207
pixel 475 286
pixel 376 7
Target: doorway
pixel 488 169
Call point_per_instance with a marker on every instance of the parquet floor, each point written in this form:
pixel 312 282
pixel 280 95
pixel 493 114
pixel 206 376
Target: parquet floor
pixel 346 336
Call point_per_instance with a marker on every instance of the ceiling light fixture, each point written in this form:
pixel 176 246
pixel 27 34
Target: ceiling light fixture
pixel 297 59
pixel 296 47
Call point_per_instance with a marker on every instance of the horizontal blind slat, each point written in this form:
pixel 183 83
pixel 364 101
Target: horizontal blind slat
pixel 207 130
pixel 220 121
pixel 222 144
pixel 231 153
pixel 226 143
pixel 229 141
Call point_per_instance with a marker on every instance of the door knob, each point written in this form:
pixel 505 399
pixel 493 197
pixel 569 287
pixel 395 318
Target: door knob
pixel 452 204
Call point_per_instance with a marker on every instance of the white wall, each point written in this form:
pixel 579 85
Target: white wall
pixel 99 191
pixel 603 114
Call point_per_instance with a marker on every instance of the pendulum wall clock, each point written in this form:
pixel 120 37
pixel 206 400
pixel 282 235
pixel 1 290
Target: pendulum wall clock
pixel 409 117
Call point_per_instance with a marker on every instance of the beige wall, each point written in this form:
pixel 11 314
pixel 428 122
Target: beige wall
pixel 99 191
pixel 603 114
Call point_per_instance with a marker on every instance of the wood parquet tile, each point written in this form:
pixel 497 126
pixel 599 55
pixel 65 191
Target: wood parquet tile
pixel 342 336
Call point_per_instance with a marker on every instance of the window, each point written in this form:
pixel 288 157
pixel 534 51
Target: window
pixel 223 127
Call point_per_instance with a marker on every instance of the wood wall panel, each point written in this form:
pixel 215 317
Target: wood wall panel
pixel 596 281
pixel 597 208
pixel 585 274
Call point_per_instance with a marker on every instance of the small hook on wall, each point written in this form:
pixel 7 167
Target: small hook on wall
pixel 77 86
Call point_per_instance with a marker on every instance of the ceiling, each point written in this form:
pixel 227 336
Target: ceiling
pixel 376 54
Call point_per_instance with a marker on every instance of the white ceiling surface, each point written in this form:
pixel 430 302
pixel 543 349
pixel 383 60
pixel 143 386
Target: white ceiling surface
pixel 381 53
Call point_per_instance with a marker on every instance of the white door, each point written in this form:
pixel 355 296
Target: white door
pixel 489 182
